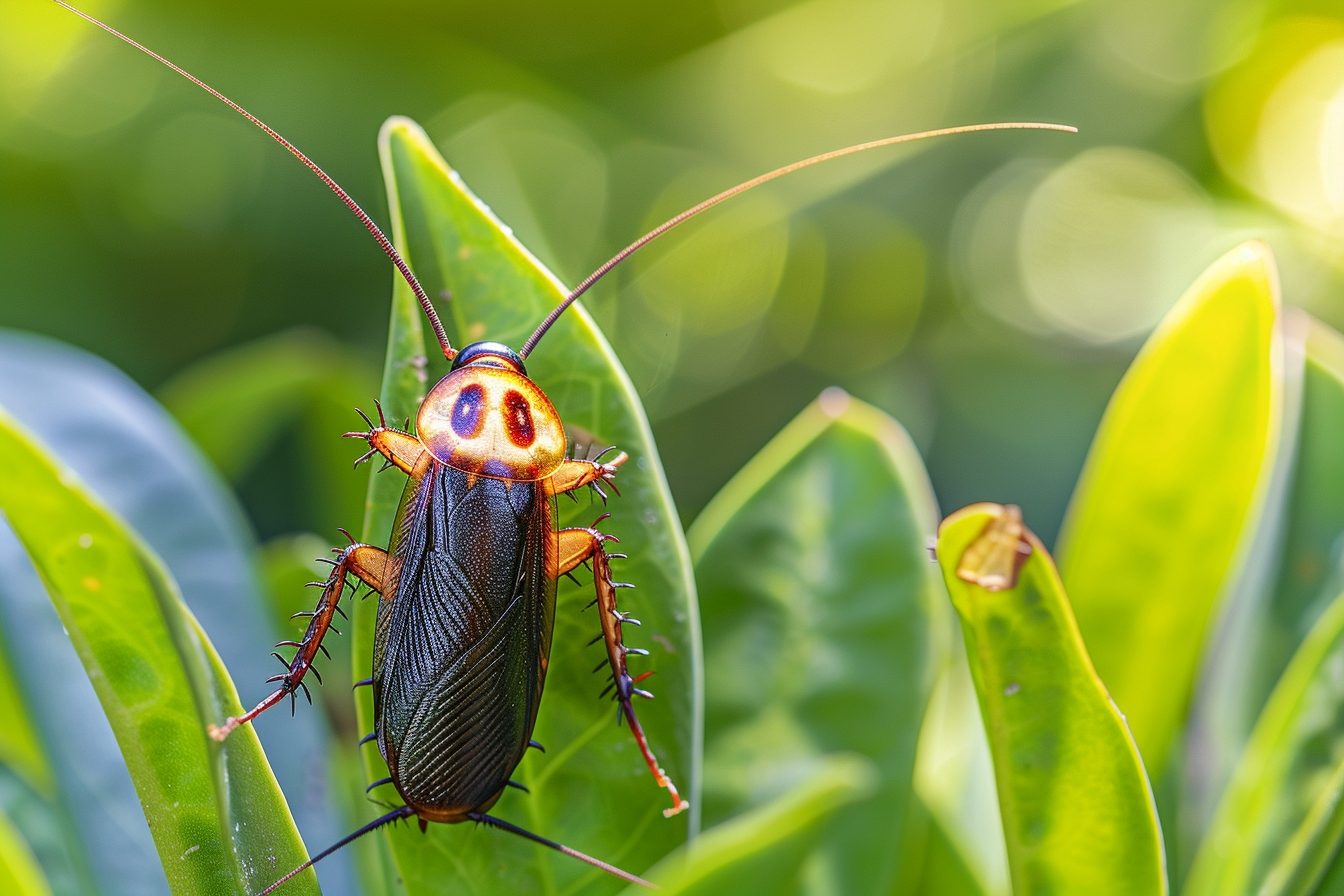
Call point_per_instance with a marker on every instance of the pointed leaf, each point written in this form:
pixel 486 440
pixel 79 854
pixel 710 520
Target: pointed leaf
pixel 589 790
pixel 1171 487
pixel 219 820
pixel 825 626
pixel 1279 823
pixel 1078 813
pixel 767 849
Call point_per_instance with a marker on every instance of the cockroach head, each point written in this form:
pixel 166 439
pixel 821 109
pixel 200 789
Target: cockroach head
pixel 489 354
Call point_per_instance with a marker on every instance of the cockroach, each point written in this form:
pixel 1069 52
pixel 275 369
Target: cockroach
pixel 467 583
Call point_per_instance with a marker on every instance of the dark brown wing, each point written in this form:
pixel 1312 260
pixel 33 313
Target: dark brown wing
pixel 461 645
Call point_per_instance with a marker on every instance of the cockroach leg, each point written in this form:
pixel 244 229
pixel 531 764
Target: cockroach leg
pixel 365 562
pixel 574 547
pixel 401 449
pixel 575 474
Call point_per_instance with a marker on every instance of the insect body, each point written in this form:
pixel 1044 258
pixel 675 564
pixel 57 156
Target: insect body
pixel 467 590
pixel 467 584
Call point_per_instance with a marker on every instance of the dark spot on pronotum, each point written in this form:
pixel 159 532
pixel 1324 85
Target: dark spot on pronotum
pixel 467 418
pixel 518 419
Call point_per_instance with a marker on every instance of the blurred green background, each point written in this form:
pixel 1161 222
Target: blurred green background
pixel 988 290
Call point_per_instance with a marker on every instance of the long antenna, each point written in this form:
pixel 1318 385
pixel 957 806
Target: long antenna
pixel 756 182
pixel 395 814
pixel 492 822
pixel 383 241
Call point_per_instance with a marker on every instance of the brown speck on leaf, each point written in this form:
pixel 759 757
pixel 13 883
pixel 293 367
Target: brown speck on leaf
pixel 992 561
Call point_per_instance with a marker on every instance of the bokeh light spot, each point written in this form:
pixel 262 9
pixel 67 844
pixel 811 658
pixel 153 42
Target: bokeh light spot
pixel 1110 240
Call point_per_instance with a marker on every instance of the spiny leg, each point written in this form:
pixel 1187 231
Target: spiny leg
pixel 579 545
pixel 401 449
pixel 575 474
pixel 365 562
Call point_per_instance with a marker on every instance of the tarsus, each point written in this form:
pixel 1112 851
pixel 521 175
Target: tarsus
pixel 345 197
pixel 756 182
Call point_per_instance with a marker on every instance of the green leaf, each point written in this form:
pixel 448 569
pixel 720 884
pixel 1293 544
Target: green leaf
pixel 590 790
pixel 769 848
pixel 20 743
pixel 218 818
pixel 825 626
pixel 19 871
pixel 127 449
pixel 237 403
pixel 1280 821
pixel 1078 812
pixel 1171 487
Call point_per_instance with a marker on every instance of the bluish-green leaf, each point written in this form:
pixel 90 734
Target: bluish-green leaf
pixel 20 874
pixel 219 821
pixel 590 789
pixel 130 451
pixel 825 625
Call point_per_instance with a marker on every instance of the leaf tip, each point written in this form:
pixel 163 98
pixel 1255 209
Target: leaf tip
pixel 994 558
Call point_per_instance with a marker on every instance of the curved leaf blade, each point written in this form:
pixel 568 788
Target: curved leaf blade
pixel 1277 827
pixel 1077 808
pixel 132 454
pixel 590 790
pixel 768 848
pixel 1171 489
pixel 20 744
pixel 825 627
pixel 19 871
pixel 219 820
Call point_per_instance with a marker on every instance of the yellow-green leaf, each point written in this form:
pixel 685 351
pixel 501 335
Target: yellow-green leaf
pixel 1279 823
pixel 1171 487
pixel 768 849
pixel 20 744
pixel 825 626
pixel 218 818
pixel 1078 812
pixel 20 874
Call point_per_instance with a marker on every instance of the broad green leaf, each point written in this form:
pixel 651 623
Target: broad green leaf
pixel 771 848
pixel 590 790
pixel 20 744
pixel 1171 487
pixel 131 453
pixel 19 871
pixel 218 818
pixel 1078 813
pixel 1279 823
pixel 825 626
pixel 235 405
